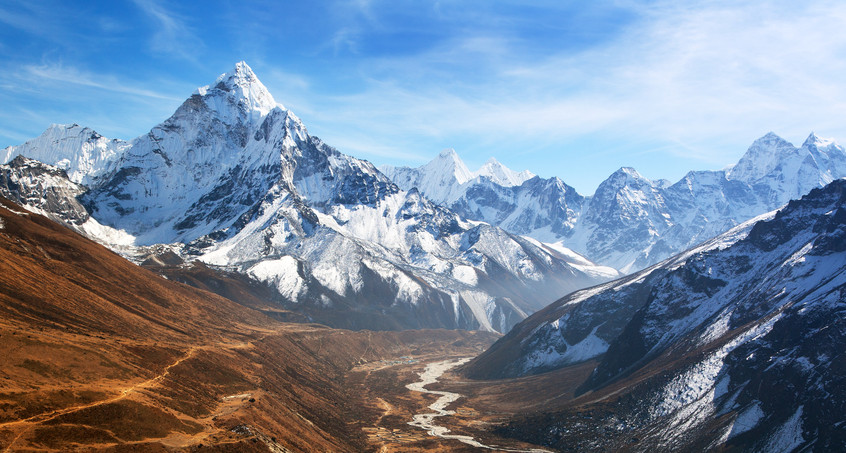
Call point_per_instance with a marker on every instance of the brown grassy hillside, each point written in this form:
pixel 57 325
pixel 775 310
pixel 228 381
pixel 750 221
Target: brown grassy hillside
pixel 100 354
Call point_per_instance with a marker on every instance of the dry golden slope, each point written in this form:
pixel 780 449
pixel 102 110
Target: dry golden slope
pixel 100 354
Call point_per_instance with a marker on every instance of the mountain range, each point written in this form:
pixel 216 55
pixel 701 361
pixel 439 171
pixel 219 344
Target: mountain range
pixel 630 222
pixel 705 314
pixel 736 343
pixel 234 181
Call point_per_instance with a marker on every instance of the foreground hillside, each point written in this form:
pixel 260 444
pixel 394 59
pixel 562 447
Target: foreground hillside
pixel 100 354
pixel 735 344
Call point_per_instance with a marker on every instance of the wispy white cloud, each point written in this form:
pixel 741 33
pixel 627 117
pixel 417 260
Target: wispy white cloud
pixel 26 17
pixel 172 35
pixel 699 80
pixel 361 145
pixel 114 105
pixel 40 20
pixel 73 76
pixel 726 69
pixel 14 134
pixel 345 40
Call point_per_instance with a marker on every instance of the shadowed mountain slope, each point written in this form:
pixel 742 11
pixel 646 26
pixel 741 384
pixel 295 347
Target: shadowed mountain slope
pixel 736 343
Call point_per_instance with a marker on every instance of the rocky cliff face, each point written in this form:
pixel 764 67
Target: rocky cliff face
pixel 735 343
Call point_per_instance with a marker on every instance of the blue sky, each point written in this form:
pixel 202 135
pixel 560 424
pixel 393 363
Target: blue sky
pixel 569 89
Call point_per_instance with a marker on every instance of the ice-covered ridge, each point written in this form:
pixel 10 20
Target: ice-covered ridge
pixel 631 222
pixel 80 151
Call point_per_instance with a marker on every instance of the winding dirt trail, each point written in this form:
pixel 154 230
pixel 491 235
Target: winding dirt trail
pixel 45 417
pixel 41 418
pixel 28 423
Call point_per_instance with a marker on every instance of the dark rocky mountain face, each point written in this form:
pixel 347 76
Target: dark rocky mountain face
pixel 45 188
pixel 627 212
pixel 734 344
pixel 533 205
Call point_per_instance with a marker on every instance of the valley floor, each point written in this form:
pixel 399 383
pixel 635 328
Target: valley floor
pixel 384 385
pixel 61 392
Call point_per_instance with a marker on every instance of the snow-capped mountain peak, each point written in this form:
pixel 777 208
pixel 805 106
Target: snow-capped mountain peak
pixel 816 144
pixel 80 151
pixel 208 162
pixel 519 202
pixel 503 175
pixel 241 85
pixel 624 180
pixel 628 175
pixel 438 179
pixel 787 171
pixel 446 178
pixel 762 157
pixel 815 140
pixel 449 165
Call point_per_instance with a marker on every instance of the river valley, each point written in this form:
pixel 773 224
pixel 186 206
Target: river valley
pixel 426 421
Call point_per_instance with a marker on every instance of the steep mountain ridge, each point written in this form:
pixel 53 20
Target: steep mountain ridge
pixel 732 344
pixel 625 202
pixel 502 175
pixel 204 166
pixel 519 202
pixel 787 171
pixel 234 180
pixel 48 191
pixel 443 173
pixel 81 152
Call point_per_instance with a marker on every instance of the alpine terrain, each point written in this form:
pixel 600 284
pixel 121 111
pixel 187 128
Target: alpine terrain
pixel 734 344
pixel 191 290
pixel 630 222
pixel 233 182
pixel 100 354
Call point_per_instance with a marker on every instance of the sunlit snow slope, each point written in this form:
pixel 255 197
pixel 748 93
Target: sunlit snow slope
pixel 233 179
pixel 630 222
